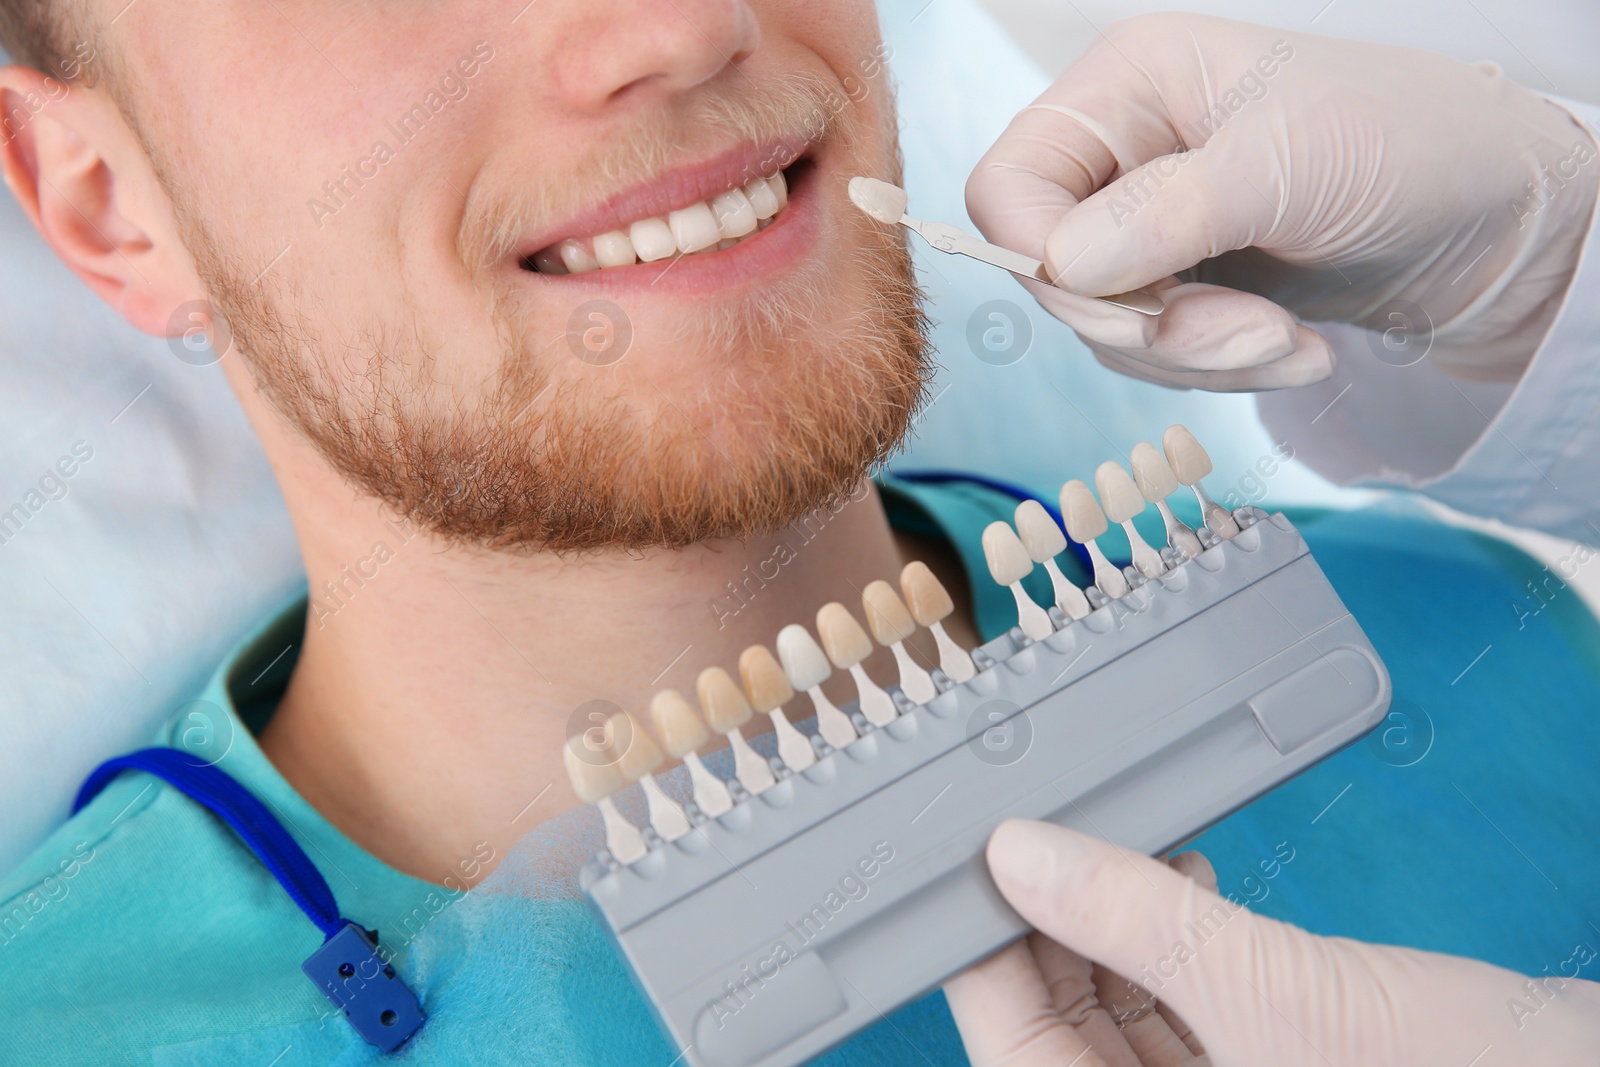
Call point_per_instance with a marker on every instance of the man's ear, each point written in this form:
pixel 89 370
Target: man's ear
pixel 85 182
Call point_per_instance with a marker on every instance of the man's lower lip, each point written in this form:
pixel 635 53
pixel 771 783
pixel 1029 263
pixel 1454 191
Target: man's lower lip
pixel 760 255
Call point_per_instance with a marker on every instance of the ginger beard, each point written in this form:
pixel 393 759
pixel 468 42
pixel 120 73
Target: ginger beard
pixel 762 409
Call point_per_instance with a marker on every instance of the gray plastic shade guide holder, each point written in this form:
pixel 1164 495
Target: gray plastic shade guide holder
pixel 771 934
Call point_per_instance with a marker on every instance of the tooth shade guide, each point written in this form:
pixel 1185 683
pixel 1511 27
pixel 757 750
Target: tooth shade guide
pixel 1085 522
pixel 1043 539
pixel 929 603
pixel 891 624
pixel 879 199
pixel 768 689
pixel 595 782
pixel 1190 463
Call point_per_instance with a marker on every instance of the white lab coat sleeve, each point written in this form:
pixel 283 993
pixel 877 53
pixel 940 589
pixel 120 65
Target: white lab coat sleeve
pixel 1527 452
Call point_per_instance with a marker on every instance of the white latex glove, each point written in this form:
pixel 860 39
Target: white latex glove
pixel 1361 181
pixel 1259 993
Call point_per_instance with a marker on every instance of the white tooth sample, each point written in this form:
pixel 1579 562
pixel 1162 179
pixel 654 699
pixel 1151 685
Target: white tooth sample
pixel 1044 541
pixel 807 666
pixel 891 623
pixel 780 188
pixel 1157 482
pixel 1085 521
pixel 735 215
pixel 594 782
pixel 1009 564
pixel 577 258
pixel 884 202
pixel 637 759
pixel 1191 463
pixel 929 602
pixel 614 249
pixel 1121 500
pixel 652 239
pixel 847 644
pixel 727 710
pixel 762 198
pixel 683 733
pixel 769 690
pixel 694 228
pixel 548 261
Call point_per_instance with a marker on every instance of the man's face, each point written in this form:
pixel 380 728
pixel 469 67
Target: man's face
pixel 377 196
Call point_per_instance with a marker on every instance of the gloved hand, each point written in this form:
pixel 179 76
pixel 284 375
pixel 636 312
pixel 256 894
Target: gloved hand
pixel 1259 993
pixel 1249 173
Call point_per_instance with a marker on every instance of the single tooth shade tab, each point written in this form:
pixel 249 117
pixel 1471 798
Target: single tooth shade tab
pixel 1119 497
pixel 637 753
pixel 881 200
pixel 576 258
pixel 1002 550
pixel 807 666
pixel 694 228
pixel 652 239
pixel 1009 564
pixel 1044 541
pixel 680 729
pixel 725 706
pixel 595 777
pixel 614 250
pixel 762 198
pixel 764 681
pixel 1081 512
pixel 887 615
pixel 1188 460
pixel 594 774
pixel 768 689
pixel 930 602
pixel 637 758
pixel 1085 522
pixel 1040 535
pixel 925 595
pixel 846 643
pixel 1152 473
pixel 803 659
pixel 735 216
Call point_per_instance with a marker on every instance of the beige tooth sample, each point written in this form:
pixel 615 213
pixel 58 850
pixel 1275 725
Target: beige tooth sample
pixel 769 690
pixel 847 644
pixel 637 758
pixel 1085 521
pixel 807 667
pixel 576 258
pixel 614 249
pixel 1044 541
pixel 652 239
pixel 1009 564
pixel 1121 500
pixel 1157 482
pixel 694 228
pixel 727 710
pixel 683 734
pixel 930 603
pixel 735 215
pixel 595 777
pixel 891 623
pixel 1190 463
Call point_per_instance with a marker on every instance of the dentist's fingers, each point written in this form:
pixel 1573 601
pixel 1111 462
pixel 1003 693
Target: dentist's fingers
pixel 1170 214
pixel 1076 999
pixel 1004 1011
pixel 1311 361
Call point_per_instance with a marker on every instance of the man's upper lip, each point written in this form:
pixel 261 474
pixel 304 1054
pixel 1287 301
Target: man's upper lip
pixel 671 190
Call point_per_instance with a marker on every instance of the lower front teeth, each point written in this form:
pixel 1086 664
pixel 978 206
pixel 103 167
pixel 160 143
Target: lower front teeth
pixel 715 224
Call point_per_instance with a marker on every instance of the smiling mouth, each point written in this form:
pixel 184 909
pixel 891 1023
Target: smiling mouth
pixel 711 225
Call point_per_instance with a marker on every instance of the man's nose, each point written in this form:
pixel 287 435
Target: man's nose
pixel 642 51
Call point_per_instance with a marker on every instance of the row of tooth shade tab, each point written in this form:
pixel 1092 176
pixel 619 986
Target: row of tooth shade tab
pixel 1012 553
pixel 604 760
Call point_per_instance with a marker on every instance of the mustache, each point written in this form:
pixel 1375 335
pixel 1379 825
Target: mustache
pixel 784 106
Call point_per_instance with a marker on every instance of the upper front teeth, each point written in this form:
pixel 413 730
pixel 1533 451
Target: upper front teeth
pixel 714 223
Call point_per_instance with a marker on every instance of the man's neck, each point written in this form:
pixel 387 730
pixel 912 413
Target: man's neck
pixel 435 685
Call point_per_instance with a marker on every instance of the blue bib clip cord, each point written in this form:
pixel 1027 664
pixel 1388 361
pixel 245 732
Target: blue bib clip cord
pixel 347 968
